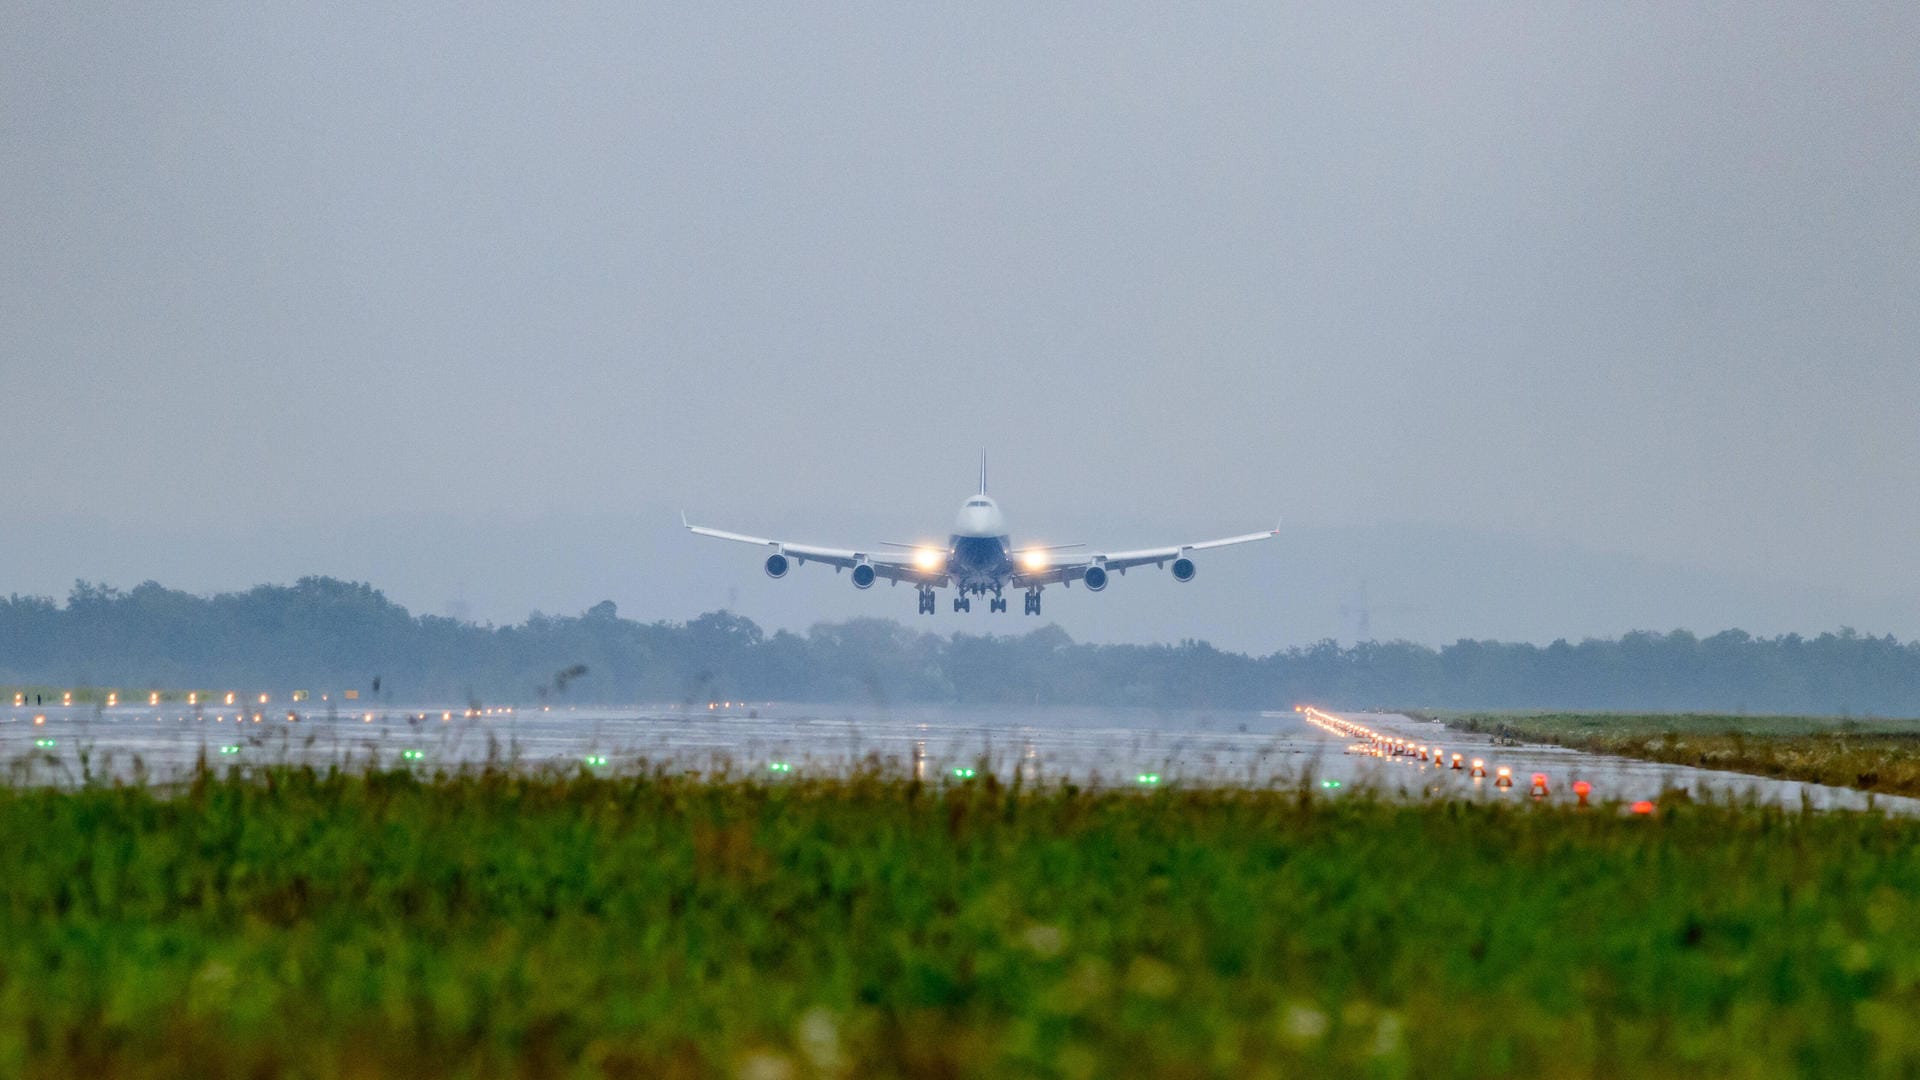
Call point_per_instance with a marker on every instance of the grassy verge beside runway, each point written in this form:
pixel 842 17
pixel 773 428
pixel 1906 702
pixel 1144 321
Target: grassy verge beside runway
pixel 1871 755
pixel 506 925
pixel 48 697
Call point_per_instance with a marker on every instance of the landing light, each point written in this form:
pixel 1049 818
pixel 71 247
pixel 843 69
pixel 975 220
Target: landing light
pixel 926 558
pixel 1034 560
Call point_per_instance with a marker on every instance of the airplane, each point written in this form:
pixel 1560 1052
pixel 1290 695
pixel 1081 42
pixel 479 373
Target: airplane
pixel 980 559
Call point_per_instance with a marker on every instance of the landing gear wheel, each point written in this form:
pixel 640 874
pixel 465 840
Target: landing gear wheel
pixel 926 601
pixel 1033 602
pixel 997 605
pixel 961 603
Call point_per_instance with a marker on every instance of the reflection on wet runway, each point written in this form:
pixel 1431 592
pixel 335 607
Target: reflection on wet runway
pixel 1142 748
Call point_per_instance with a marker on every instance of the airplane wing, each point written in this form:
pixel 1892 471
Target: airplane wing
pixel 1041 567
pixel 892 565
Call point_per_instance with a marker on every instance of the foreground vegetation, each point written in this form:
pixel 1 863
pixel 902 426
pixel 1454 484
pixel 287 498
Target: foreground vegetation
pixel 499 925
pixel 1872 755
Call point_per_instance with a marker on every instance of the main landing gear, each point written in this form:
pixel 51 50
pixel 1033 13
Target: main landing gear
pixel 963 602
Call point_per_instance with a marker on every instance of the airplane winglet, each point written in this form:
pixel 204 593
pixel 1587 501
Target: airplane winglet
pixel 983 470
pixel 683 520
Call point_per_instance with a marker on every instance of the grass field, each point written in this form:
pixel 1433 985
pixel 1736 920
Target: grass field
pixel 502 925
pixel 1873 755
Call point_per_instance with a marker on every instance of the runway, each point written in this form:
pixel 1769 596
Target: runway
pixel 1611 778
pixel 1100 746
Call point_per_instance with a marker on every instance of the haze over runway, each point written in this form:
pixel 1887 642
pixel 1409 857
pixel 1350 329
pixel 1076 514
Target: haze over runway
pixel 1532 322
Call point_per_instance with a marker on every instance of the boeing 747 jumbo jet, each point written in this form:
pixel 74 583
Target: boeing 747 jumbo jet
pixel 979 559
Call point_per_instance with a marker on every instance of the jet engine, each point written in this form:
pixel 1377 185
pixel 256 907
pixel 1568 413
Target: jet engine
pixel 863 576
pixel 1183 569
pixel 1096 578
pixel 777 565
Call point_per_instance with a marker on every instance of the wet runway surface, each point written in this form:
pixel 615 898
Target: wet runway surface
pixel 1120 747
pixel 1612 779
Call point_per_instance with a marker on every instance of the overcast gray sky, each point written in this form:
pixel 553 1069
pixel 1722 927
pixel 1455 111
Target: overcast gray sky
pixel 1535 319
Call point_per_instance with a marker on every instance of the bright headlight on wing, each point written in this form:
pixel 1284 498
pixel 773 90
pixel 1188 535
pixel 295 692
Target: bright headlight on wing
pixel 1035 560
pixel 926 558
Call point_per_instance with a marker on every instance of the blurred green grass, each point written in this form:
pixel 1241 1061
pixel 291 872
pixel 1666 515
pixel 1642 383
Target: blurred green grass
pixel 501 924
pixel 1873 755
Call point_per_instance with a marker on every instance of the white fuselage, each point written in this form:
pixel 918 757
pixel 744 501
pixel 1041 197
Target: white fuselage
pixel 980 554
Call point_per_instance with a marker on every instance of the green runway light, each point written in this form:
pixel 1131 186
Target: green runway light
pixel 46 744
pixel 413 755
pixel 595 760
pixel 1148 778
pixel 1329 784
pixel 780 767
pixel 230 749
pixel 963 774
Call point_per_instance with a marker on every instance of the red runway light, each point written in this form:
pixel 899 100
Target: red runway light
pixel 1643 807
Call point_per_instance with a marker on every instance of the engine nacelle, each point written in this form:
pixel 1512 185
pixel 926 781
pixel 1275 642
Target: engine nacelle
pixel 863 576
pixel 1183 569
pixel 1096 578
pixel 777 565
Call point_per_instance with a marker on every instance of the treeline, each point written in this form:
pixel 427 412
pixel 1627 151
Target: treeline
pixel 322 634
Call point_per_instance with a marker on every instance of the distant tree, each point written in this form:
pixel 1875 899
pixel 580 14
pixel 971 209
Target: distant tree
pixel 322 632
